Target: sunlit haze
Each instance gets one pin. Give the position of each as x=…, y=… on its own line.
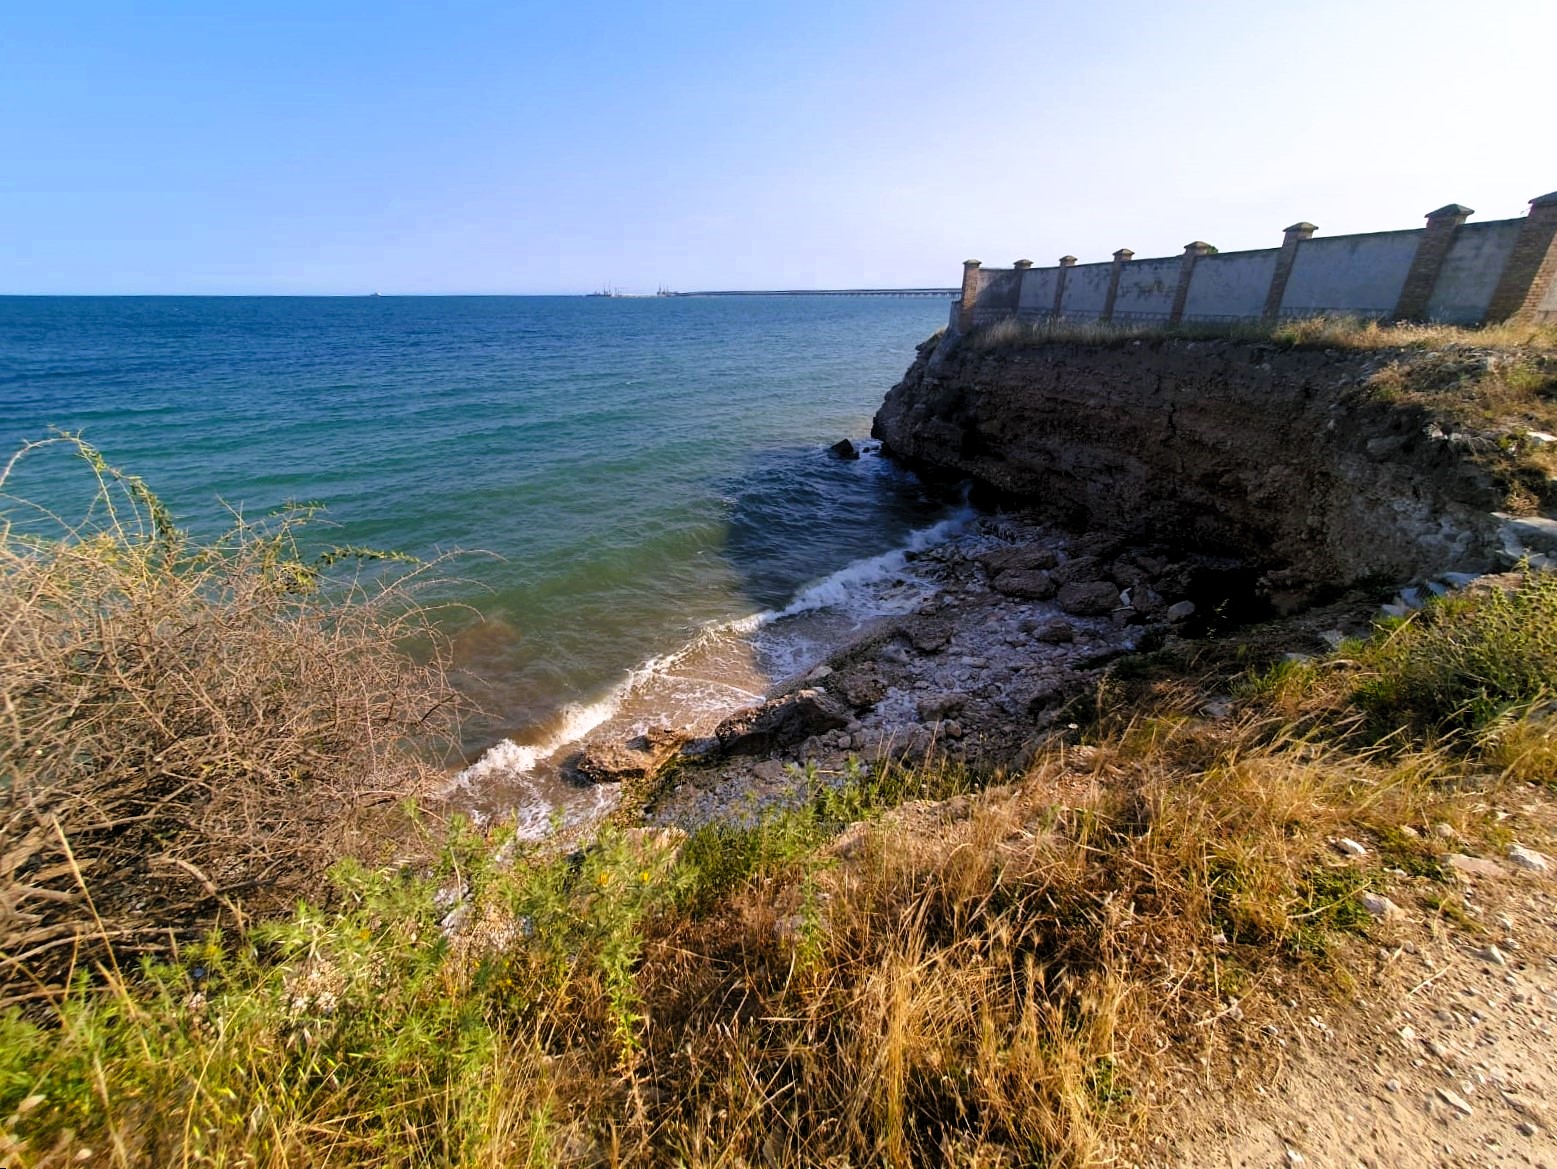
x=486, y=147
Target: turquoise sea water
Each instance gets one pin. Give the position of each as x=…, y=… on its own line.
x=635, y=473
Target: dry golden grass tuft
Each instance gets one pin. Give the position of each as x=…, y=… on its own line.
x=1321, y=332
x=189, y=728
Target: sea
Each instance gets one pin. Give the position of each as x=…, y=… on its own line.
x=640, y=519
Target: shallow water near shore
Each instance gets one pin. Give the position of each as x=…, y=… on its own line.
x=647, y=481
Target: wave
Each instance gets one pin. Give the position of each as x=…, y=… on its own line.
x=847, y=590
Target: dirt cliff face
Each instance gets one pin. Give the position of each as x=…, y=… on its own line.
x=1283, y=457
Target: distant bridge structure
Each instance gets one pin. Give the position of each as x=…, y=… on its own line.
x=949, y=293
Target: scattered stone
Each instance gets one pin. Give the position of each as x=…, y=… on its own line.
x=1475, y=866
x=1528, y=858
x=1294, y=1157
x=930, y=637
x=769, y=770
x=1455, y=1101
x=1181, y=610
x=1218, y=709
x=862, y=691
x=1407, y=1034
x=1350, y=847
x=1380, y=906
x=1525, y=1129
x=934, y=707
x=819, y=673
x=1392, y=1085
x=1026, y=583
x=1493, y=955
x=952, y=729
x=1080, y=570
x=636, y=759
x=1056, y=632
x=783, y=722
x=1095, y=598
x=1332, y=637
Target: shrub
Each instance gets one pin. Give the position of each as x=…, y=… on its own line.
x=190, y=728
x=1465, y=661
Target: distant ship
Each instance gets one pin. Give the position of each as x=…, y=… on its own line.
x=606, y=291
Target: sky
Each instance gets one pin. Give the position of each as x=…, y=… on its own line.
x=476, y=146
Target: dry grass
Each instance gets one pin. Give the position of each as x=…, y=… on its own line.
x=1323, y=332
x=189, y=728
x=911, y=969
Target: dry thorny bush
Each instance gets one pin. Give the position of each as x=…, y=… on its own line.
x=189, y=727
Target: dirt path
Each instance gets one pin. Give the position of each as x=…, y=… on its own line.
x=1447, y=1056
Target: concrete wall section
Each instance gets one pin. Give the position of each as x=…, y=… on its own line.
x=997, y=288
x=1357, y=274
x=1470, y=271
x=1038, y=291
x=1146, y=289
x=1230, y=286
x=1086, y=290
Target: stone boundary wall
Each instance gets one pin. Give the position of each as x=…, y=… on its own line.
x=1449, y=271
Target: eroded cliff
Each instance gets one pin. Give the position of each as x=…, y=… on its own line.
x=1307, y=462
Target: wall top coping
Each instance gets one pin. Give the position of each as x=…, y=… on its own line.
x=1199, y=246
x=1544, y=200
x=1067, y=260
x=1220, y=255
x=1124, y=253
x=1450, y=211
x=1302, y=225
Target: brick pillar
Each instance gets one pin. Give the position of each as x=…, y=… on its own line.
x=1192, y=252
x=970, y=295
x=1430, y=251
x=1066, y=264
x=1121, y=258
x=1020, y=267
x=1296, y=234
x=1531, y=267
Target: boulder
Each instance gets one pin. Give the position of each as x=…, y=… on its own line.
x=635, y=759
x=1093, y=598
x=845, y=449
x=1056, y=632
x=1029, y=557
x=1078, y=569
x=783, y=722
x=934, y=707
x=862, y=689
x=1033, y=584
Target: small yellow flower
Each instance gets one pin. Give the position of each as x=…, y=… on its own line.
x=604, y=879
x=644, y=876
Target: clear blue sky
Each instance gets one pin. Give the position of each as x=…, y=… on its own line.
x=481, y=146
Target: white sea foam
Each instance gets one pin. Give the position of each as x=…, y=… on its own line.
x=848, y=590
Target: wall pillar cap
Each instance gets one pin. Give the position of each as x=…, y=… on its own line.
x=1022, y=264
x=1304, y=226
x=1450, y=211
x=1199, y=247
x=1067, y=261
x=972, y=263
x=1545, y=200
x=1123, y=254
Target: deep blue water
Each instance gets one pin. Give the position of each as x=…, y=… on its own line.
x=633, y=470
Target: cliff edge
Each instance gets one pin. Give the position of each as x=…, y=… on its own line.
x=1323, y=466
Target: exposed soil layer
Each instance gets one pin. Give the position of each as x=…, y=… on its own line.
x=1290, y=458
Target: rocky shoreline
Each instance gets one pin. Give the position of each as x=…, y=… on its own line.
x=1022, y=621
